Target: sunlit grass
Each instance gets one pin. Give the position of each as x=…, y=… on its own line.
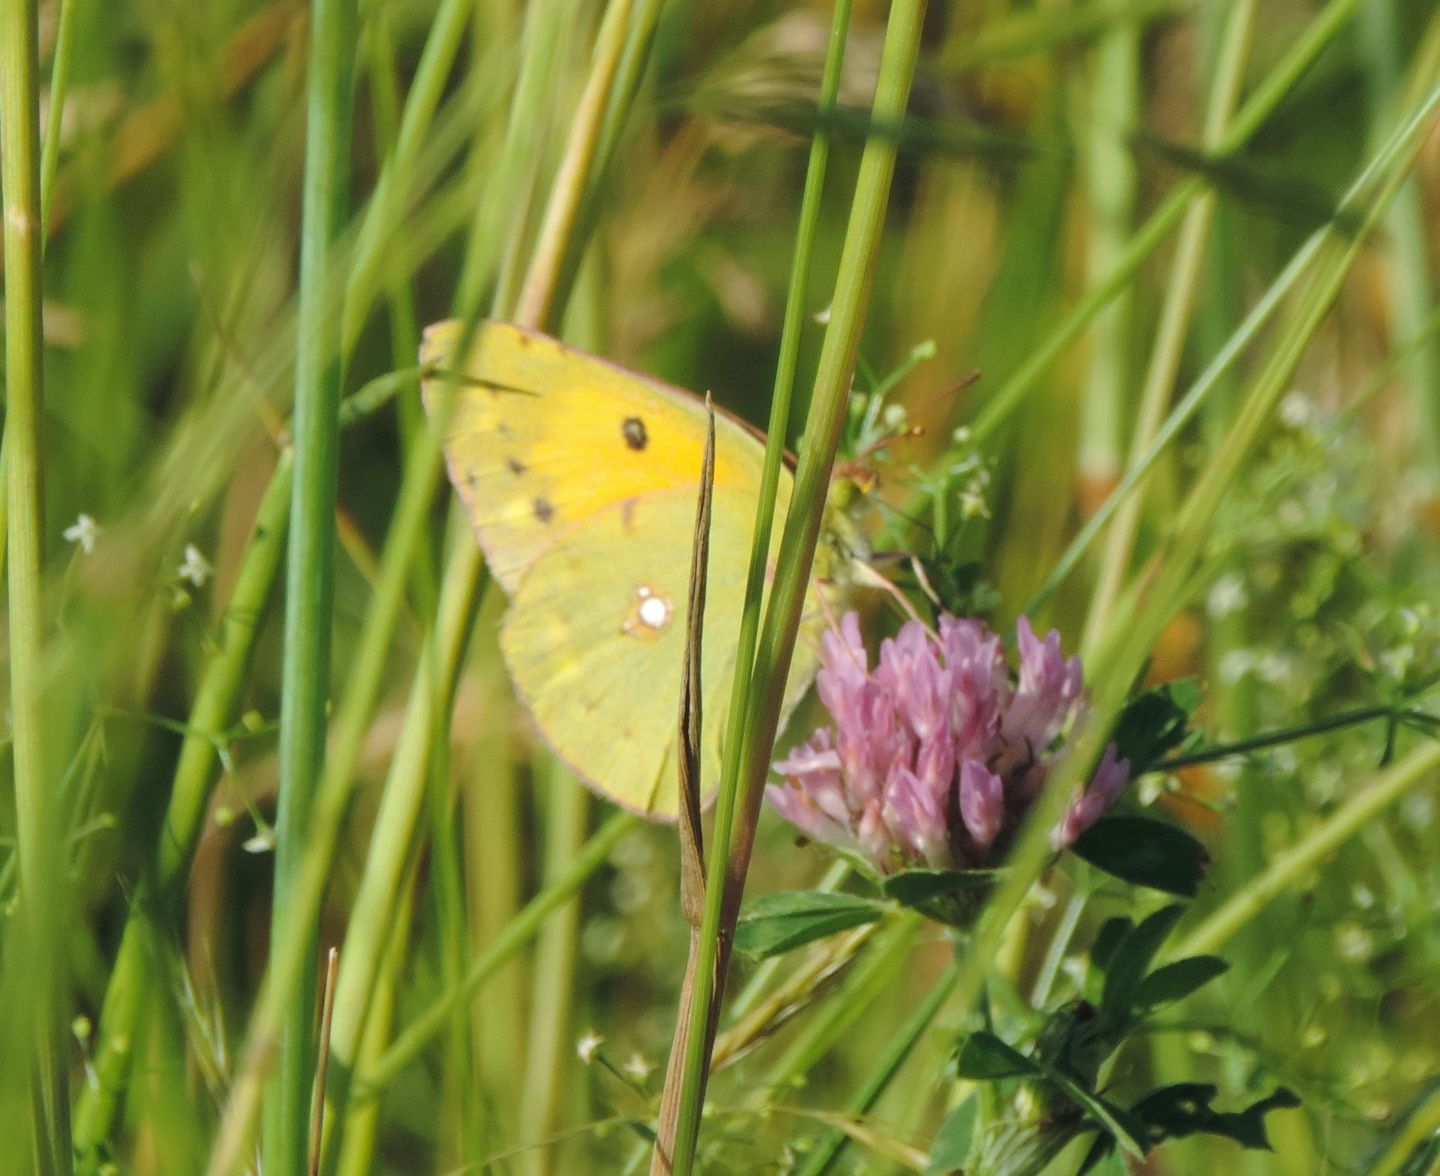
x=1189, y=249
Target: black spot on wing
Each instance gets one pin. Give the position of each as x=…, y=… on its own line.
x=633, y=430
x=544, y=511
x=516, y=466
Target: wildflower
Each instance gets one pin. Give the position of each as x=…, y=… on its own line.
x=1227, y=595
x=261, y=841
x=82, y=532
x=589, y=1045
x=639, y=1067
x=934, y=756
x=196, y=567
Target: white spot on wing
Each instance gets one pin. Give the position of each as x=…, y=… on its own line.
x=649, y=614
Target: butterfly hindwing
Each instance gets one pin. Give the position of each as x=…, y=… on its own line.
x=581, y=479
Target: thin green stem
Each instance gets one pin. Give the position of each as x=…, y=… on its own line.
x=552, y=996
x=1210, y=755
x=518, y=932
x=740, y=791
x=830, y=1150
x=392, y=843
x=779, y=427
x=1174, y=318
x=38, y=945
x=1262, y=103
x=55, y=113
x=1288, y=868
x=310, y=571
x=872, y=977
x=211, y=714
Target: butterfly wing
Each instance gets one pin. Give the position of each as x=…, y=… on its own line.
x=595, y=639
x=580, y=479
x=540, y=437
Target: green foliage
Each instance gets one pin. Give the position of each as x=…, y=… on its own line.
x=1146, y=852
x=1061, y=1073
x=777, y=923
x=1119, y=214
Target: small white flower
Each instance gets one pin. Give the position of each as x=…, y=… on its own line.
x=972, y=497
x=1227, y=595
x=196, y=568
x=589, y=1045
x=83, y=531
x=895, y=416
x=262, y=841
x=1397, y=661
x=1235, y=665
x=639, y=1066
x=1297, y=410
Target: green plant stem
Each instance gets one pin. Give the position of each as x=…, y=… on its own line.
x=310, y=570
x=1109, y=176
x=1175, y=315
x=1287, y=870
x=741, y=792
x=458, y=1130
x=1167, y=584
x=824, y=1156
x=392, y=842
x=1421, y=1123
x=1409, y=276
x=1208, y=755
x=555, y=980
x=779, y=427
x=518, y=932
x=55, y=115
x=1262, y=103
x=447, y=30
x=873, y=976
x=41, y=845
x=211, y=715
x=562, y=211
x=357, y=1157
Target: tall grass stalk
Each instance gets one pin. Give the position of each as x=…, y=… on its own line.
x=310, y=564
x=834, y=1144
x=1175, y=313
x=737, y=807
x=435, y=681
x=552, y=1005
x=518, y=932
x=1287, y=72
x=807, y=225
x=392, y=845
x=35, y=958
x=1287, y=870
x=213, y=713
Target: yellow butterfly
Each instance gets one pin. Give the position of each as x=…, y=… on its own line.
x=581, y=479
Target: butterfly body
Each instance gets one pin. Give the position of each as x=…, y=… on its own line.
x=580, y=479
